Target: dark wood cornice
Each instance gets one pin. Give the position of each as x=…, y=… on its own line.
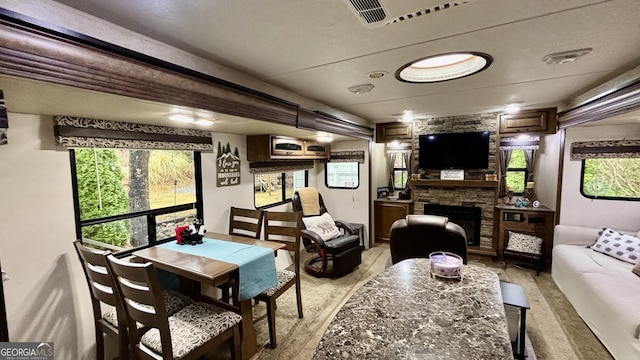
x=32, y=54
x=58, y=32
x=39, y=51
x=619, y=102
x=328, y=123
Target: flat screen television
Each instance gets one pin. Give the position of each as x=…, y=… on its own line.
x=469, y=150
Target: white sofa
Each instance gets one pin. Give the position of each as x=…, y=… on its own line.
x=602, y=289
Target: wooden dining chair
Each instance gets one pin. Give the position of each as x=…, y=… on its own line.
x=102, y=289
x=190, y=333
x=245, y=222
x=114, y=323
x=242, y=222
x=285, y=228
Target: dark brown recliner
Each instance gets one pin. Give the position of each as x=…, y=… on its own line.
x=417, y=236
x=336, y=257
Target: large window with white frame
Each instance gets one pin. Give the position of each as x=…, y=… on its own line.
x=342, y=175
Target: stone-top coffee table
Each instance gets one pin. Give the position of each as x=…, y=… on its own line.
x=405, y=313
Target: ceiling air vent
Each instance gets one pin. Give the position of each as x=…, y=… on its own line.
x=427, y=11
x=377, y=13
x=370, y=11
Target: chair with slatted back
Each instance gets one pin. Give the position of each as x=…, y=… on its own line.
x=245, y=222
x=285, y=228
x=101, y=287
x=190, y=333
x=103, y=290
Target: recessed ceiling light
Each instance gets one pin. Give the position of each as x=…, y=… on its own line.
x=324, y=137
x=181, y=118
x=444, y=67
x=203, y=122
x=513, y=108
x=361, y=89
x=407, y=116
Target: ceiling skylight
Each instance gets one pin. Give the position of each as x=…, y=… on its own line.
x=444, y=67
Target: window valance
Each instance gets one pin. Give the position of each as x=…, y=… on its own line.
x=347, y=156
x=279, y=166
x=516, y=143
x=77, y=132
x=399, y=148
x=607, y=149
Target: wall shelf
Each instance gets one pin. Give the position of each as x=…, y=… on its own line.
x=455, y=183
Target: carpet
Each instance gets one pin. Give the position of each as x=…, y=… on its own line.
x=554, y=329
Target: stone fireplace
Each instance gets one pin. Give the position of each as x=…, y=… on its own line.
x=468, y=217
x=461, y=193
x=472, y=192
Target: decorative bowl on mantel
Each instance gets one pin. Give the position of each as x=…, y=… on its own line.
x=446, y=265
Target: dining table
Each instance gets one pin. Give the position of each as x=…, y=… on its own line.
x=405, y=312
x=222, y=259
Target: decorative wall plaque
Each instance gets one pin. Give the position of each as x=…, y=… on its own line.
x=227, y=166
x=451, y=174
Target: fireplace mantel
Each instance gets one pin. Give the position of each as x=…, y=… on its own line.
x=455, y=183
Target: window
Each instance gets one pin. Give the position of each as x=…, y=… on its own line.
x=400, y=173
x=127, y=199
x=342, y=175
x=612, y=179
x=517, y=172
x=271, y=189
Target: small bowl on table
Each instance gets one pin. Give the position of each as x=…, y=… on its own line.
x=446, y=265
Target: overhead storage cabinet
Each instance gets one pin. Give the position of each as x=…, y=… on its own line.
x=272, y=147
x=540, y=121
x=395, y=131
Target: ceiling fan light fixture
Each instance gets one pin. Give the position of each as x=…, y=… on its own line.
x=361, y=89
x=444, y=67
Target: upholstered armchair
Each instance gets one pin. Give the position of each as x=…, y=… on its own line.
x=335, y=241
x=417, y=236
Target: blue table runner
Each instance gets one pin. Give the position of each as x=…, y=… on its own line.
x=257, y=264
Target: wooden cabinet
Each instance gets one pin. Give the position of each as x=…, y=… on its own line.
x=286, y=146
x=272, y=147
x=400, y=131
x=385, y=212
x=528, y=220
x=541, y=121
x=316, y=149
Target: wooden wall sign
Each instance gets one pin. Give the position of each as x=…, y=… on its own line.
x=227, y=166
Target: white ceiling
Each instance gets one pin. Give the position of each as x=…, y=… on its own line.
x=320, y=48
